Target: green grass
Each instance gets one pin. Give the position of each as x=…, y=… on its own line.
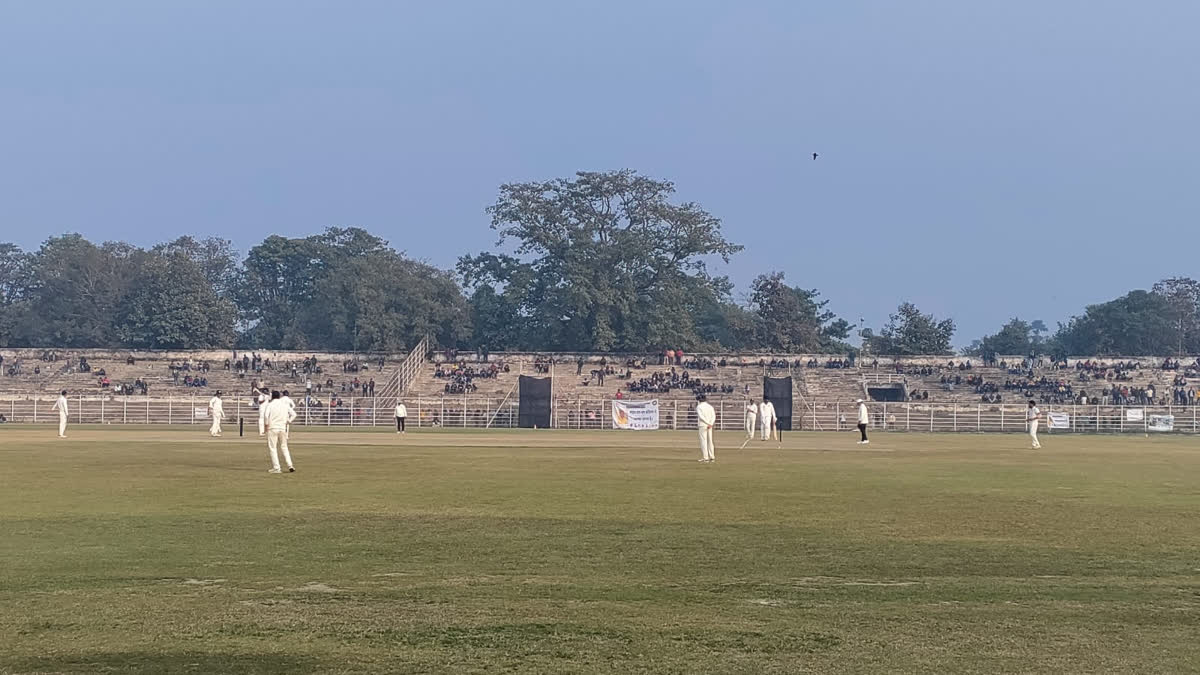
x=163, y=551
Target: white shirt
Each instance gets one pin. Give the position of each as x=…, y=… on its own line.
x=290, y=402
x=263, y=400
x=61, y=406
x=751, y=410
x=863, y=416
x=1033, y=413
x=278, y=415
x=705, y=414
x=767, y=410
x=401, y=411
x=216, y=406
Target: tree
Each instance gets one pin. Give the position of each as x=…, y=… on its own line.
x=345, y=289
x=74, y=289
x=602, y=261
x=793, y=319
x=1014, y=338
x=1136, y=324
x=216, y=257
x=171, y=304
x=279, y=282
x=382, y=301
x=1183, y=301
x=14, y=272
x=909, y=332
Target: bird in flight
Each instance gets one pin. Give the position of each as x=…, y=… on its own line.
x=814, y=156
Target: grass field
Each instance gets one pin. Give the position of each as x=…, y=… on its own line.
x=161, y=551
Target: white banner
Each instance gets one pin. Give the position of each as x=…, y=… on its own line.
x=200, y=412
x=1059, y=420
x=1161, y=423
x=636, y=415
x=1135, y=414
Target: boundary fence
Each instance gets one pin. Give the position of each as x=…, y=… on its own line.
x=482, y=412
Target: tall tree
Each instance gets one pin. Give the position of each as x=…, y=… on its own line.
x=1183, y=302
x=279, y=282
x=909, y=332
x=1138, y=323
x=74, y=289
x=216, y=257
x=1014, y=338
x=171, y=304
x=601, y=261
x=345, y=289
x=793, y=319
x=382, y=301
x=14, y=272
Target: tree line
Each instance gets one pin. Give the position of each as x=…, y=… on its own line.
x=596, y=262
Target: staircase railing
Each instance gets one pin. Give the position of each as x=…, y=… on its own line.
x=405, y=373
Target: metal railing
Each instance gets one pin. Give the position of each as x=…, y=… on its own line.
x=406, y=372
x=575, y=413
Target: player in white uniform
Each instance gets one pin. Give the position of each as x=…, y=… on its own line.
x=751, y=417
x=401, y=416
x=61, y=406
x=216, y=410
x=277, y=416
x=706, y=418
x=291, y=405
x=1032, y=416
x=263, y=400
x=766, y=420
x=864, y=418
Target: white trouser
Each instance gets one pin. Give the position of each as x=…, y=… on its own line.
x=62, y=424
x=708, y=449
x=766, y=429
x=276, y=441
x=262, y=421
x=215, y=429
x=1033, y=425
x=750, y=424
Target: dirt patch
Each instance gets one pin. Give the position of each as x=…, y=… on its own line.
x=265, y=603
x=769, y=602
x=202, y=582
x=317, y=587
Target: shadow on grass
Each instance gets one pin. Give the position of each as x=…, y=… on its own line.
x=164, y=662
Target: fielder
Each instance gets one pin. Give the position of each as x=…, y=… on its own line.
x=1032, y=416
x=277, y=416
x=61, y=406
x=766, y=419
x=291, y=406
x=751, y=417
x=216, y=409
x=263, y=401
x=706, y=418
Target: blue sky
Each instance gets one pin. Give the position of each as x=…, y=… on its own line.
x=981, y=159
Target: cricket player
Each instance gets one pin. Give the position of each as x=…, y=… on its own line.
x=1032, y=416
x=61, y=406
x=291, y=405
x=706, y=418
x=766, y=419
x=263, y=401
x=864, y=418
x=277, y=415
x=216, y=409
x=401, y=416
x=751, y=417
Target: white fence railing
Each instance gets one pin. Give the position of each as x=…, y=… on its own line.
x=469, y=411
